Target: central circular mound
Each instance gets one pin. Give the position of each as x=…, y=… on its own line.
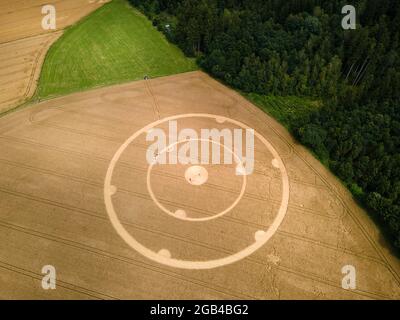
x=196, y=175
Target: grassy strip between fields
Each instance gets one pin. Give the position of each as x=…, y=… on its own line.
x=114, y=44
x=287, y=110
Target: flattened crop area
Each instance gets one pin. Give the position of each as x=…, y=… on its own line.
x=54, y=161
x=23, y=43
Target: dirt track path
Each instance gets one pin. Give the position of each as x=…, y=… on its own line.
x=54, y=160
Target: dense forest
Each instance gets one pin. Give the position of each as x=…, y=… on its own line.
x=299, y=48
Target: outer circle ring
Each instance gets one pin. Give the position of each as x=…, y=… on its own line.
x=184, y=264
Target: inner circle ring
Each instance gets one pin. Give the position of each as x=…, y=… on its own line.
x=215, y=216
x=186, y=264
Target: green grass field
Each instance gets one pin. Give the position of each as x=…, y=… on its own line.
x=287, y=110
x=114, y=44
